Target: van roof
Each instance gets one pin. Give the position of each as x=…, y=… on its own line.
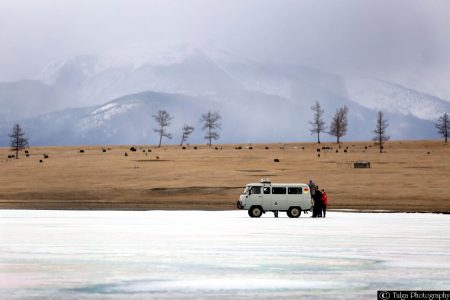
x=276, y=184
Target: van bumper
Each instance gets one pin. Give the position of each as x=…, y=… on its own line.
x=239, y=205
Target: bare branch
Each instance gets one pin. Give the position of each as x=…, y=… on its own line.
x=443, y=126
x=338, y=127
x=210, y=122
x=380, y=130
x=318, y=124
x=18, y=141
x=162, y=118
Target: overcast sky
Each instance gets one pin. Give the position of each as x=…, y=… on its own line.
x=353, y=37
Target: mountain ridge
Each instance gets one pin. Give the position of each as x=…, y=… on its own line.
x=265, y=101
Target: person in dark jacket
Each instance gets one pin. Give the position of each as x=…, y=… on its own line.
x=317, y=210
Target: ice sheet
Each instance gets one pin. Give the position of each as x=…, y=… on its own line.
x=216, y=254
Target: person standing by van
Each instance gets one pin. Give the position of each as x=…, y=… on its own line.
x=324, y=202
x=312, y=188
x=317, y=210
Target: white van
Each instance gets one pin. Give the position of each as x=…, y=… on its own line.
x=258, y=198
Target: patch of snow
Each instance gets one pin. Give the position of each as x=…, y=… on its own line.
x=105, y=113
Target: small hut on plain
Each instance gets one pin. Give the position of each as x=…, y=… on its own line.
x=361, y=164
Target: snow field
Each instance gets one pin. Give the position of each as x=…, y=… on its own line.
x=219, y=254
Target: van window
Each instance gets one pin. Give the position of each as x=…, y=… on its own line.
x=295, y=190
x=278, y=190
x=266, y=190
x=255, y=190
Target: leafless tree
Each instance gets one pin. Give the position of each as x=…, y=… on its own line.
x=380, y=131
x=318, y=124
x=443, y=126
x=187, y=130
x=210, y=122
x=338, y=127
x=162, y=118
x=18, y=140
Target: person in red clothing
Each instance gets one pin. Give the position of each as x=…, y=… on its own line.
x=324, y=203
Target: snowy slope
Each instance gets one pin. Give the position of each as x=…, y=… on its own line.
x=388, y=97
x=168, y=68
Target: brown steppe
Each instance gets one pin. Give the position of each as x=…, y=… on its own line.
x=410, y=176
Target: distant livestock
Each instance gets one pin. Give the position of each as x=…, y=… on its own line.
x=276, y=160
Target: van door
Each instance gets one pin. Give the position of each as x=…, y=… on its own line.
x=278, y=197
x=295, y=197
x=256, y=195
x=269, y=203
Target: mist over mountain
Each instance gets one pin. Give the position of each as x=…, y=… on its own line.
x=29, y=98
x=110, y=98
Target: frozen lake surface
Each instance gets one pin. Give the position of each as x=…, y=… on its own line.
x=219, y=254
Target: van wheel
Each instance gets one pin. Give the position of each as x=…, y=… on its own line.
x=294, y=212
x=255, y=212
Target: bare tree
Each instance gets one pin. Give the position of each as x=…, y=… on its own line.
x=318, y=124
x=18, y=140
x=380, y=130
x=162, y=118
x=187, y=130
x=338, y=127
x=443, y=126
x=210, y=122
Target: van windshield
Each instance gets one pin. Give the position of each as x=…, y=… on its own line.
x=246, y=190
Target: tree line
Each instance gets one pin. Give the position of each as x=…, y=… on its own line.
x=211, y=126
x=339, y=123
x=210, y=122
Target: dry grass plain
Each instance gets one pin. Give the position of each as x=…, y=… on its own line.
x=411, y=176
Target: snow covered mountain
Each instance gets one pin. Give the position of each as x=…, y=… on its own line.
x=385, y=96
x=175, y=68
x=117, y=92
